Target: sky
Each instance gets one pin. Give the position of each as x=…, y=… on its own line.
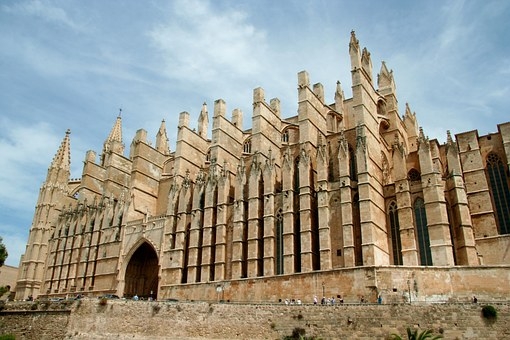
x=71, y=64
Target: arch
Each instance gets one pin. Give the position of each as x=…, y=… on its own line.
x=208, y=156
x=381, y=107
x=141, y=271
x=420, y=219
x=414, y=175
x=288, y=137
x=396, y=243
x=247, y=145
x=498, y=180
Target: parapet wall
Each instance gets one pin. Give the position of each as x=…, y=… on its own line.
x=395, y=284
x=126, y=319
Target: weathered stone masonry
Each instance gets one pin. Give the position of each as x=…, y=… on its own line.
x=338, y=187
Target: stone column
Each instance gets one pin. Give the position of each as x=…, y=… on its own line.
x=197, y=213
x=435, y=207
x=239, y=232
x=254, y=220
x=305, y=206
x=221, y=225
x=269, y=218
x=210, y=207
x=323, y=207
x=346, y=202
x=404, y=206
x=464, y=236
x=289, y=256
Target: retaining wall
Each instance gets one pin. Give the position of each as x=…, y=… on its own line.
x=126, y=319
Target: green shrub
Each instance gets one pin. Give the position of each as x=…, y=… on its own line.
x=489, y=312
x=414, y=335
x=7, y=337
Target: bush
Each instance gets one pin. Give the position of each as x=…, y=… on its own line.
x=7, y=337
x=489, y=312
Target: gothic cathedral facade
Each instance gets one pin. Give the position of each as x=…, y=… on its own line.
x=319, y=200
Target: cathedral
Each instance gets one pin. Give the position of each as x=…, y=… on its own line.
x=349, y=198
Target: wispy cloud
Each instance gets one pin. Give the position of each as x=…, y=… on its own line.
x=26, y=152
x=201, y=43
x=45, y=11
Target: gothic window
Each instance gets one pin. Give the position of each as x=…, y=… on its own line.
x=353, y=168
x=498, y=180
x=285, y=136
x=414, y=175
x=247, y=146
x=208, y=156
x=296, y=174
x=396, y=244
x=279, y=242
x=381, y=107
x=420, y=218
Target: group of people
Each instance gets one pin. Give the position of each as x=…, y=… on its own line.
x=328, y=301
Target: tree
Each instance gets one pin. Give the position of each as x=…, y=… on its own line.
x=3, y=252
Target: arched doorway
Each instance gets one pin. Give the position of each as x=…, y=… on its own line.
x=142, y=273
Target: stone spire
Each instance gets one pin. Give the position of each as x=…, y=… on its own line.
x=114, y=141
x=116, y=132
x=385, y=78
x=62, y=159
x=162, y=139
x=354, y=52
x=366, y=63
x=203, y=122
x=53, y=196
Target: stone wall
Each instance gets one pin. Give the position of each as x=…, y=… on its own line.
x=125, y=319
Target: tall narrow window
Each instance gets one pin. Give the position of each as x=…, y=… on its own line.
x=247, y=146
x=279, y=242
x=396, y=244
x=285, y=136
x=500, y=193
x=423, y=232
x=353, y=168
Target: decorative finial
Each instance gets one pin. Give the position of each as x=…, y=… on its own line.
x=120, y=112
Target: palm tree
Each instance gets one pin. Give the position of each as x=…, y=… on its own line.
x=424, y=335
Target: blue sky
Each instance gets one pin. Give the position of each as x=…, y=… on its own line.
x=73, y=64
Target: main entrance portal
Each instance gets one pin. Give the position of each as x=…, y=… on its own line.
x=142, y=273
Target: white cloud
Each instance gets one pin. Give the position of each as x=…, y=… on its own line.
x=15, y=242
x=26, y=152
x=199, y=43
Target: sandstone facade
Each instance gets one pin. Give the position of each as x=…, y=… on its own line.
x=341, y=192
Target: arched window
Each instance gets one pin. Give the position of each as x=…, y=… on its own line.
x=420, y=218
x=247, y=146
x=381, y=107
x=279, y=242
x=498, y=180
x=414, y=175
x=396, y=244
x=285, y=136
x=208, y=156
